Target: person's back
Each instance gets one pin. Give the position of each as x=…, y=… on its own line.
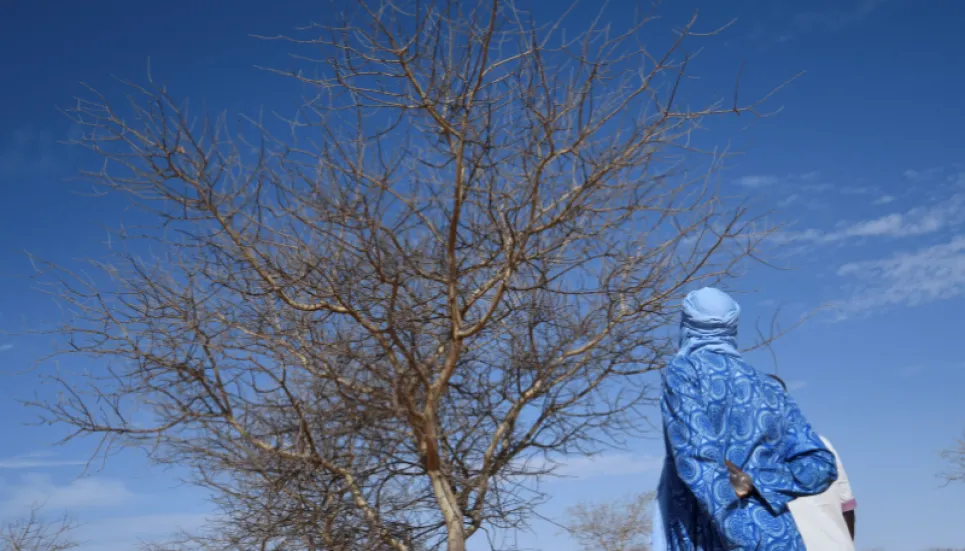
x=716, y=408
x=821, y=518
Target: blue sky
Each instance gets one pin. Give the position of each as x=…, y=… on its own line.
x=865, y=165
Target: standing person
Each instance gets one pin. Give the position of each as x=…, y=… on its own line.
x=738, y=448
x=826, y=521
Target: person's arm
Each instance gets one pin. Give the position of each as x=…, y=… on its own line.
x=808, y=466
x=698, y=454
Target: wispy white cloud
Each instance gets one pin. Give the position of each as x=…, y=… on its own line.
x=796, y=384
x=789, y=200
x=764, y=38
x=918, y=221
x=5, y=347
x=757, y=181
x=39, y=489
x=857, y=190
x=932, y=273
x=885, y=199
x=28, y=153
x=845, y=13
x=613, y=464
x=922, y=175
x=818, y=187
x=957, y=179
x=38, y=460
x=936, y=179
x=80, y=498
x=805, y=188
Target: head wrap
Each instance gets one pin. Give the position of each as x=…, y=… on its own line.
x=709, y=322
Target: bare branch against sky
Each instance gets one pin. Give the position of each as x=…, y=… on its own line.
x=373, y=325
x=34, y=533
x=621, y=526
x=955, y=461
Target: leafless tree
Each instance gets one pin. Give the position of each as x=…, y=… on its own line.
x=36, y=534
x=955, y=459
x=375, y=324
x=619, y=526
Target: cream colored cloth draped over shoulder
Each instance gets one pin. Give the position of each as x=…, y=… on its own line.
x=820, y=518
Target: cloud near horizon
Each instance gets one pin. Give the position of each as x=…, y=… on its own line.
x=36, y=489
x=612, y=464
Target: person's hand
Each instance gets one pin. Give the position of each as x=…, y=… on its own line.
x=741, y=481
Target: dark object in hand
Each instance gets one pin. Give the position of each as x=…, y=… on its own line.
x=741, y=481
x=849, y=520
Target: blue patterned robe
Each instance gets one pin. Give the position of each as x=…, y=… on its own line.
x=716, y=407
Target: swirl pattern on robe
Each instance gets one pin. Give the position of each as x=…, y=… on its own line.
x=716, y=407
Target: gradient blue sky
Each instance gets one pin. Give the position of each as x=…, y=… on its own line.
x=866, y=165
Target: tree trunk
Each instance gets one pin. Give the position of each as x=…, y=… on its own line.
x=448, y=504
x=456, y=540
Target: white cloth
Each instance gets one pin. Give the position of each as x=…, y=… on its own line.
x=820, y=518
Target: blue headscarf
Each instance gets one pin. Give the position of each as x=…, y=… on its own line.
x=709, y=322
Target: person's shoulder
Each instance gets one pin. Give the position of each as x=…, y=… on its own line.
x=680, y=367
x=680, y=363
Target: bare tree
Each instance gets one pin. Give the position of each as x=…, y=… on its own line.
x=619, y=526
x=36, y=534
x=375, y=324
x=955, y=459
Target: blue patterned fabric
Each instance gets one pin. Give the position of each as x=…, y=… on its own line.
x=716, y=407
